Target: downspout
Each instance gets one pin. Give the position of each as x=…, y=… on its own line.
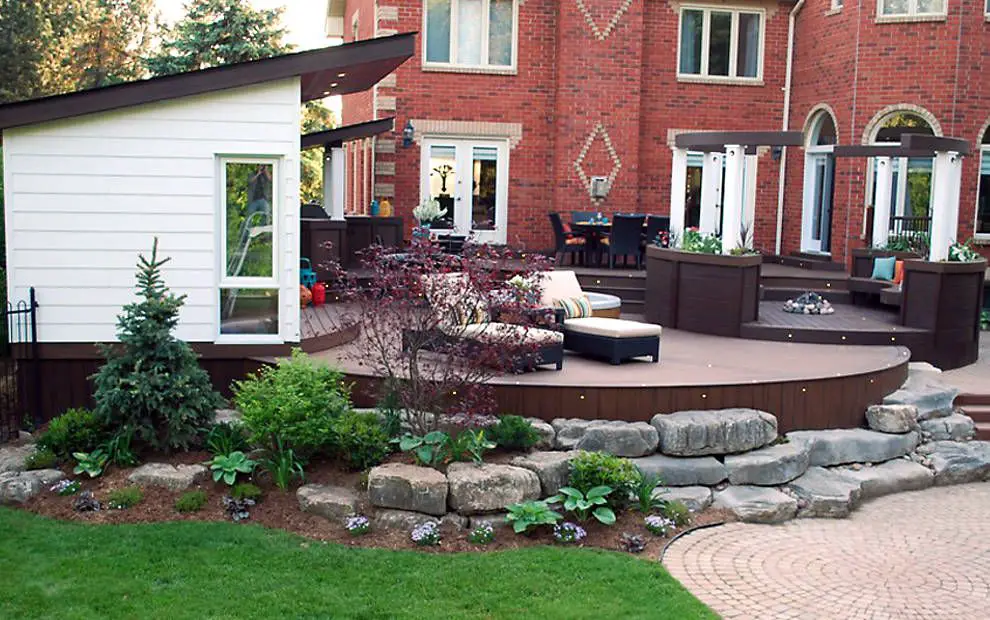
x=786, y=121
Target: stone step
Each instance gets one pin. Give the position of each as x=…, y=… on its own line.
x=769, y=466
x=825, y=493
x=329, y=502
x=855, y=445
x=682, y=471
x=629, y=439
x=926, y=391
x=958, y=462
x=753, y=504
x=714, y=432
x=695, y=498
x=956, y=427
x=894, y=476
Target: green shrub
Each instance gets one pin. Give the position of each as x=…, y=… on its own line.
x=122, y=499
x=41, y=458
x=360, y=439
x=513, y=432
x=227, y=437
x=296, y=401
x=191, y=501
x=118, y=448
x=471, y=446
x=76, y=430
x=594, y=469
x=677, y=512
x=246, y=490
x=152, y=382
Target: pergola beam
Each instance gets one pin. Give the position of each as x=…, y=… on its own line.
x=718, y=140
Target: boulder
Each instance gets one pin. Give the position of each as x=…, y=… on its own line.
x=547, y=434
x=695, y=498
x=227, y=416
x=769, y=466
x=402, y=520
x=20, y=486
x=12, y=457
x=927, y=392
x=891, y=477
x=489, y=487
x=454, y=521
x=854, y=445
x=330, y=502
x=892, y=418
x=682, y=472
x=955, y=463
x=756, y=504
x=826, y=493
x=620, y=438
x=569, y=431
x=171, y=477
x=955, y=427
x=552, y=468
x=497, y=521
x=408, y=487
x=721, y=431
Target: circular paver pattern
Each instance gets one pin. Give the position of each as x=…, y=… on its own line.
x=920, y=555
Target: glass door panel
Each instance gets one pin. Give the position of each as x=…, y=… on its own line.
x=484, y=187
x=442, y=170
x=470, y=180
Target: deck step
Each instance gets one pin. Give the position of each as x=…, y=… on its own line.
x=631, y=279
x=979, y=413
x=983, y=431
x=838, y=283
x=625, y=293
x=808, y=261
x=969, y=398
x=776, y=293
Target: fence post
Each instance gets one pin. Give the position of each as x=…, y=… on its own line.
x=35, y=369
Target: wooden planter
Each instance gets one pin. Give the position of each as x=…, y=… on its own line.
x=705, y=293
x=862, y=265
x=945, y=298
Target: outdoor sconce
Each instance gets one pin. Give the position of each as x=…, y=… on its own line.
x=775, y=153
x=407, y=135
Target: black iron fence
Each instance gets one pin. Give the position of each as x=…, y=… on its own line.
x=19, y=381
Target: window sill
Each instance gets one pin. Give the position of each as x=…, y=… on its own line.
x=833, y=11
x=908, y=19
x=249, y=339
x=469, y=69
x=720, y=81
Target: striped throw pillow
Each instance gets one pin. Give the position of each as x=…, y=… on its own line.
x=575, y=307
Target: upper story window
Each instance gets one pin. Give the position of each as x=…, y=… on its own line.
x=910, y=8
x=721, y=43
x=470, y=33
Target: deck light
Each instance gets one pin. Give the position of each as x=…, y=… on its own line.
x=334, y=84
x=407, y=134
x=340, y=75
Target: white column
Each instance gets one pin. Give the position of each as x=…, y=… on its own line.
x=732, y=201
x=947, y=178
x=882, y=181
x=711, y=192
x=678, y=193
x=333, y=182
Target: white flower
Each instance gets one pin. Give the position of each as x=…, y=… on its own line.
x=429, y=210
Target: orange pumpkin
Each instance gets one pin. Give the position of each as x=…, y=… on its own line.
x=305, y=296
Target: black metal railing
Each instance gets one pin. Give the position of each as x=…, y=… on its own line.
x=20, y=385
x=910, y=225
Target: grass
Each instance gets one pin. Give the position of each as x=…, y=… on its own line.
x=215, y=570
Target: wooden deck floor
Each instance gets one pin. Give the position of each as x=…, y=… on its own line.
x=321, y=328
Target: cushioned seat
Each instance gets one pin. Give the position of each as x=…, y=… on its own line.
x=504, y=332
x=604, y=301
x=613, y=339
x=612, y=328
x=563, y=284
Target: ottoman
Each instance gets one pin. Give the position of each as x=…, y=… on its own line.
x=613, y=339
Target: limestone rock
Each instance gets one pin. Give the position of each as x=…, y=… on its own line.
x=695, y=498
x=893, y=476
x=892, y=418
x=552, y=468
x=620, y=438
x=547, y=434
x=171, y=477
x=489, y=487
x=408, y=487
x=569, y=431
x=454, y=520
x=227, y=416
x=828, y=493
x=769, y=466
x=854, y=445
x=402, y=519
x=497, y=521
x=756, y=504
x=927, y=392
x=955, y=427
x=12, y=457
x=330, y=502
x=721, y=431
x=20, y=486
x=955, y=463
x=682, y=472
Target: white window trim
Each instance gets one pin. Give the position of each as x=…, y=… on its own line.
x=733, y=43
x=984, y=154
x=912, y=13
x=223, y=281
x=453, y=65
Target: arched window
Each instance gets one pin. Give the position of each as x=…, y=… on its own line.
x=911, y=191
x=819, y=177
x=983, y=193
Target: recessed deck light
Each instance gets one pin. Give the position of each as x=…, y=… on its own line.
x=333, y=84
x=340, y=75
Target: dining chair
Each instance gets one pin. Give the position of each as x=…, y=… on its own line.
x=566, y=242
x=625, y=239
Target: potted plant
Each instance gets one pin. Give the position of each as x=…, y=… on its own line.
x=426, y=213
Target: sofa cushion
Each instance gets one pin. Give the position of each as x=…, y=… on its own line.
x=898, y=272
x=612, y=328
x=506, y=333
x=883, y=268
x=575, y=307
x=558, y=285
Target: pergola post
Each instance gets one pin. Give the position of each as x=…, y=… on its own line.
x=947, y=176
x=732, y=201
x=711, y=192
x=678, y=194
x=333, y=181
x=883, y=182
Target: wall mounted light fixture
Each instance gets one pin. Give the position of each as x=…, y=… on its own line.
x=407, y=135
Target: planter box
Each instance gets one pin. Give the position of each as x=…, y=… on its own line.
x=945, y=298
x=862, y=261
x=705, y=293
x=364, y=231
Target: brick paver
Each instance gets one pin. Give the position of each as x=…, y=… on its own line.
x=920, y=555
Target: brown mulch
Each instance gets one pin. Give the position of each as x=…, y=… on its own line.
x=280, y=509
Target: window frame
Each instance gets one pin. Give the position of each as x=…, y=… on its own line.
x=912, y=12
x=703, y=75
x=485, y=67
x=225, y=282
x=984, y=150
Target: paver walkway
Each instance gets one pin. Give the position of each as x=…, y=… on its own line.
x=921, y=555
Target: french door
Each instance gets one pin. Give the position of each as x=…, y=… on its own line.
x=819, y=176
x=470, y=179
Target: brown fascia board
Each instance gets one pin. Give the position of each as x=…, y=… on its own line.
x=878, y=150
x=921, y=142
x=364, y=62
x=347, y=133
x=703, y=140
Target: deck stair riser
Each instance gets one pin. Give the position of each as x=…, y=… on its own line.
x=812, y=284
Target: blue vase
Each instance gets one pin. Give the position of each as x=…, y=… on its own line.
x=374, y=210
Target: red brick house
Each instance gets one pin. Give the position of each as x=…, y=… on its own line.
x=514, y=108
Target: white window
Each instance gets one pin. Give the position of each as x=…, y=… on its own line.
x=249, y=270
x=902, y=8
x=837, y=4
x=470, y=33
x=721, y=43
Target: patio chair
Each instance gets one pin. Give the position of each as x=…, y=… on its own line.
x=566, y=241
x=655, y=224
x=625, y=239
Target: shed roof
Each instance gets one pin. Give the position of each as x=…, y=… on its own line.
x=337, y=70
x=347, y=133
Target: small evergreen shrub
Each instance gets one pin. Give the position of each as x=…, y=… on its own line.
x=152, y=382
x=122, y=499
x=41, y=458
x=513, y=432
x=76, y=430
x=361, y=439
x=296, y=401
x=246, y=490
x=191, y=501
x=594, y=469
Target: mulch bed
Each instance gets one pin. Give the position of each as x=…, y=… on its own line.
x=280, y=509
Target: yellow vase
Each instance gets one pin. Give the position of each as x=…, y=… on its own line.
x=385, y=209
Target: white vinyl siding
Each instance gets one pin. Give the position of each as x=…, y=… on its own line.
x=85, y=195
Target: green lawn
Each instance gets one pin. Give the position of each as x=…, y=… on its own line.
x=59, y=570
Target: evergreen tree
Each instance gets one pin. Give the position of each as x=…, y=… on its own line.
x=112, y=41
x=315, y=117
x=218, y=32
x=152, y=381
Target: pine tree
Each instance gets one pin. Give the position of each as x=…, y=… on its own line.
x=152, y=381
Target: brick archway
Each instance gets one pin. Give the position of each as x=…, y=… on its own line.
x=873, y=127
x=812, y=117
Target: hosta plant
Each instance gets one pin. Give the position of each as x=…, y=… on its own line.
x=582, y=505
x=226, y=466
x=430, y=449
x=526, y=515
x=471, y=445
x=91, y=464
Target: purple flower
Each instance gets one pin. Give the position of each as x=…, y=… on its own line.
x=568, y=533
x=427, y=534
x=357, y=525
x=660, y=526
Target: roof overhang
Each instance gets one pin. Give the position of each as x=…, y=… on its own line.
x=338, y=70
x=718, y=140
x=336, y=137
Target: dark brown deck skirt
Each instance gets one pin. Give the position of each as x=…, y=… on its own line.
x=705, y=293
